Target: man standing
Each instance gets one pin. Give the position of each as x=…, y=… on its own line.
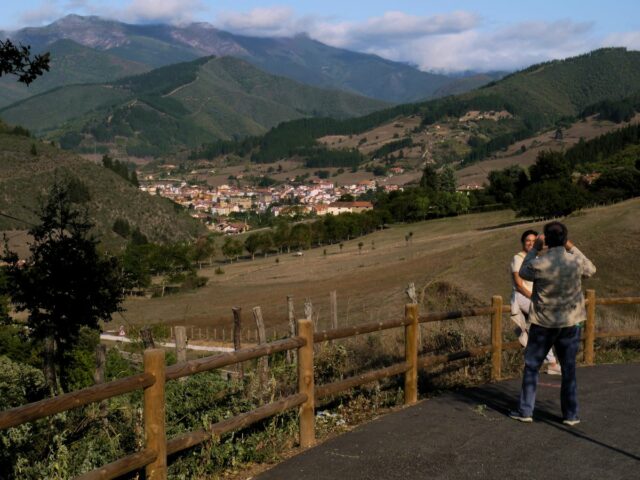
x=557, y=308
x=521, y=295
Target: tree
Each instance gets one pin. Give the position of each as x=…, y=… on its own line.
x=203, y=249
x=252, y=244
x=281, y=236
x=231, y=248
x=121, y=227
x=66, y=284
x=550, y=165
x=265, y=242
x=551, y=198
x=16, y=60
x=505, y=185
x=301, y=236
x=558, y=135
x=360, y=245
x=447, y=180
x=429, y=181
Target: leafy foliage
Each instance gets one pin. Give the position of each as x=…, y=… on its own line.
x=66, y=284
x=126, y=171
x=16, y=60
x=550, y=189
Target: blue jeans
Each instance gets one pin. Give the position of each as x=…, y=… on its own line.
x=566, y=342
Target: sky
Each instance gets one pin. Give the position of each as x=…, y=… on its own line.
x=434, y=35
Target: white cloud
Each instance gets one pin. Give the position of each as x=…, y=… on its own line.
x=44, y=13
x=273, y=21
x=623, y=39
x=168, y=11
x=392, y=26
x=506, y=49
x=449, y=42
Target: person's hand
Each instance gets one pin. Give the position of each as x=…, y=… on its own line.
x=569, y=245
x=539, y=244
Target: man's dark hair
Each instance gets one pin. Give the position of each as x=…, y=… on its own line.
x=555, y=234
x=526, y=234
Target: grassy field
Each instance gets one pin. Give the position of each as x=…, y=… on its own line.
x=453, y=262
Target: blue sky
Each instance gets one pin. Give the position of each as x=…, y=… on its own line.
x=432, y=34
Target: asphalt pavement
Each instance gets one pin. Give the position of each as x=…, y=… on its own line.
x=468, y=435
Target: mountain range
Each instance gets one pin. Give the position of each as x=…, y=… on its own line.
x=114, y=49
x=179, y=105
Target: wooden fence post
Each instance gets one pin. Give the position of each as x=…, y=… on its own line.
x=496, y=338
x=154, y=414
x=98, y=376
x=411, y=354
x=333, y=297
x=181, y=343
x=237, y=334
x=306, y=383
x=263, y=362
x=291, y=318
x=590, y=328
x=308, y=309
x=237, y=327
x=147, y=338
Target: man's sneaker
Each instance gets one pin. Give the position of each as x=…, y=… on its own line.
x=554, y=369
x=516, y=416
x=571, y=423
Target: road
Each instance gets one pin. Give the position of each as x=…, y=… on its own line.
x=468, y=435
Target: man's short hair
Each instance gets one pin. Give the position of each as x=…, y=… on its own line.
x=555, y=234
x=526, y=234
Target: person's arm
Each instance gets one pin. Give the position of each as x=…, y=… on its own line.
x=527, y=271
x=588, y=268
x=517, y=280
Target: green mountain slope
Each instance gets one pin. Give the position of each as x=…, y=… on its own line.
x=71, y=63
x=537, y=98
x=25, y=178
x=299, y=58
x=565, y=87
x=179, y=106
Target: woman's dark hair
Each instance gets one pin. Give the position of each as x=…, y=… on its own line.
x=555, y=234
x=526, y=234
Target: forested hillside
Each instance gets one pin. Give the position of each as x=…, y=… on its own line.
x=539, y=97
x=71, y=63
x=178, y=106
x=28, y=167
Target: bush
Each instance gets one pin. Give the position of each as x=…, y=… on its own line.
x=551, y=198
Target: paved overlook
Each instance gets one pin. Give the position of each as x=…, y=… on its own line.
x=467, y=435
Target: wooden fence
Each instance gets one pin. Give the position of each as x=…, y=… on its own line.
x=153, y=458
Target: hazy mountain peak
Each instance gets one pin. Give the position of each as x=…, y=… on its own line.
x=298, y=57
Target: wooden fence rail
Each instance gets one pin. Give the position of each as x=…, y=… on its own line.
x=153, y=457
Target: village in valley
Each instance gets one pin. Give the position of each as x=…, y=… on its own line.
x=216, y=206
